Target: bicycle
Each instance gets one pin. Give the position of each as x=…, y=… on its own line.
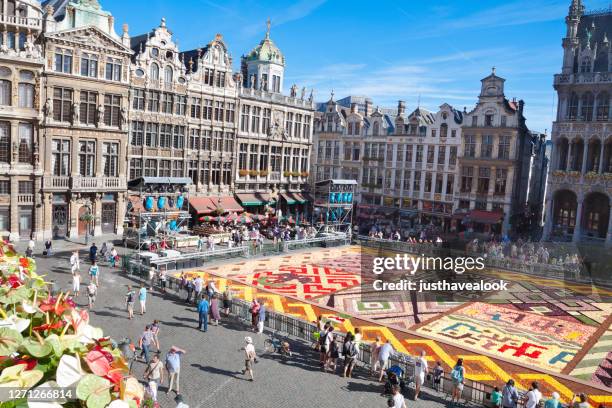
x=276, y=344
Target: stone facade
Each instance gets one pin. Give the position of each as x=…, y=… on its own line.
x=580, y=181
x=83, y=110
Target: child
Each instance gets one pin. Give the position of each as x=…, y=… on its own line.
x=91, y=293
x=438, y=373
x=496, y=397
x=93, y=272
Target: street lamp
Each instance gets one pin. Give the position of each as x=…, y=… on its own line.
x=87, y=218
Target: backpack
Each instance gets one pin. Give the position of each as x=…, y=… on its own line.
x=457, y=374
x=322, y=338
x=353, y=350
x=130, y=297
x=346, y=348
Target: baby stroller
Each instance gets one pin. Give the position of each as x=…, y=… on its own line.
x=395, y=376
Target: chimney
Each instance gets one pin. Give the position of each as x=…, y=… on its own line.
x=125, y=39
x=521, y=104
x=368, y=107
x=353, y=107
x=401, y=108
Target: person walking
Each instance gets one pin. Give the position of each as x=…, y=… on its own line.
x=351, y=351
x=114, y=257
x=458, y=378
x=130, y=296
x=93, y=252
x=48, y=245
x=250, y=357
x=533, y=396
x=214, y=309
x=94, y=271
x=197, y=287
x=155, y=331
x=154, y=375
x=333, y=354
x=145, y=343
x=227, y=300
x=420, y=372
x=554, y=401
x=142, y=299
x=203, y=315
x=189, y=289
x=75, y=264
x=510, y=395
x=383, y=358
x=261, y=317
x=92, y=291
x=76, y=282
x=30, y=249
x=173, y=366
x=375, y=349
x=254, y=314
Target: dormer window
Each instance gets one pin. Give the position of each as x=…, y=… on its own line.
x=169, y=55
x=154, y=72
x=168, y=75
x=488, y=119
x=155, y=52
x=443, y=130
x=376, y=129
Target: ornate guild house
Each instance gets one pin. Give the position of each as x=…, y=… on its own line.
x=579, y=191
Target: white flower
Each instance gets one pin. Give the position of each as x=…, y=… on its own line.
x=15, y=323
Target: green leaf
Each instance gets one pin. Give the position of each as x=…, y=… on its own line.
x=9, y=341
x=92, y=384
x=55, y=344
x=132, y=404
x=16, y=295
x=34, y=348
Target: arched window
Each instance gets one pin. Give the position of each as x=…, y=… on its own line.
x=350, y=128
x=603, y=105
x=376, y=129
x=154, y=72
x=5, y=92
x=585, y=66
x=443, y=130
x=586, y=110
x=168, y=75
x=572, y=107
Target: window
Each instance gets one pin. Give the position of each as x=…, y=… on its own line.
x=110, y=159
x=244, y=118
x=452, y=156
x=137, y=136
x=112, y=110
x=165, y=137
x=427, y=187
x=87, y=108
x=150, y=169
x=484, y=174
x=242, y=156
x=62, y=102
x=376, y=129
x=153, y=101
x=154, y=72
x=164, y=168
x=255, y=119
x=228, y=142
x=138, y=101
x=289, y=124
x=474, y=121
x=219, y=108
x=196, y=107
x=26, y=187
x=441, y=154
x=5, y=92
x=151, y=135
x=500, y=181
x=220, y=79
x=63, y=61
x=178, y=139
x=306, y=127
x=433, y=132
x=488, y=120
x=168, y=75
x=135, y=168
x=177, y=168
x=194, y=139
x=297, y=129
x=207, y=110
x=216, y=173
x=263, y=158
x=60, y=157
x=399, y=154
x=466, y=179
x=167, y=102
x=572, y=107
x=181, y=104
x=504, y=147
x=503, y=121
x=217, y=141
x=113, y=69
x=209, y=76
x=443, y=130
x=275, y=83
x=227, y=174
x=416, y=185
x=5, y=137
x=230, y=112
x=25, y=142
x=586, y=110
x=450, y=183
x=603, y=106
x=26, y=95
x=264, y=81
x=430, y=154
x=409, y=155
x=87, y=158
x=585, y=65
x=439, y=183
x=419, y=154
x=480, y=204
x=89, y=65
x=486, y=147
x=206, y=140
x=453, y=132
x=470, y=146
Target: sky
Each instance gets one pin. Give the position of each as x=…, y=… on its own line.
x=422, y=52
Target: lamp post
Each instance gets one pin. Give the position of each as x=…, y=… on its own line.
x=87, y=218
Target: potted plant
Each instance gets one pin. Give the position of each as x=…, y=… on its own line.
x=305, y=174
x=87, y=218
x=253, y=172
x=243, y=173
x=286, y=173
x=263, y=173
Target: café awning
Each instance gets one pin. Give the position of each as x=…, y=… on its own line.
x=253, y=199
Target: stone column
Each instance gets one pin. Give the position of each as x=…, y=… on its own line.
x=73, y=217
x=97, y=212
x=601, y=157
x=14, y=211
x=578, y=227
x=47, y=215
x=585, y=156
x=569, y=156
x=37, y=224
x=549, y=218
x=120, y=213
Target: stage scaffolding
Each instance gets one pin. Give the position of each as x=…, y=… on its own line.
x=333, y=206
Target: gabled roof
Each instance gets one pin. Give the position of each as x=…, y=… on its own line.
x=194, y=55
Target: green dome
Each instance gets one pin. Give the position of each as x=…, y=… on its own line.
x=266, y=51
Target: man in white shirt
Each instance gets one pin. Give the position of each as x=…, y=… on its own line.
x=197, y=287
x=533, y=396
x=420, y=371
x=249, y=356
x=75, y=265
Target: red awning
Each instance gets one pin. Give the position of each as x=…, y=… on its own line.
x=485, y=217
x=227, y=203
x=202, y=205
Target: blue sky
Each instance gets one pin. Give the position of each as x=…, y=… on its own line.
x=388, y=49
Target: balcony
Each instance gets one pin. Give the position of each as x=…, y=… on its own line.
x=583, y=78
x=82, y=183
x=25, y=199
x=570, y=129
x=590, y=179
x=27, y=22
x=59, y=183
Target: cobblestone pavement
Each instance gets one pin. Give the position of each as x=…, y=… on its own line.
x=210, y=372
